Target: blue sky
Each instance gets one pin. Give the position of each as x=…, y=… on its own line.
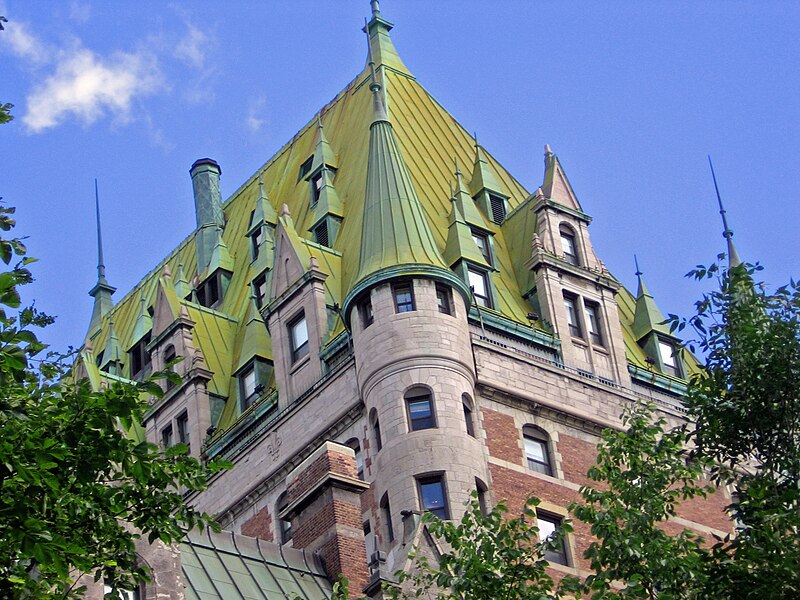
x=631, y=96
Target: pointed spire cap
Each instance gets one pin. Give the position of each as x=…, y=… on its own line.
x=647, y=317
x=482, y=175
x=556, y=186
x=263, y=212
x=112, y=351
x=182, y=287
x=328, y=202
x=465, y=202
x=255, y=341
x=460, y=244
x=102, y=291
x=323, y=153
x=144, y=322
x=220, y=258
x=733, y=256
x=382, y=49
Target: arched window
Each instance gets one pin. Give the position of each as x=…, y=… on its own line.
x=568, y=247
x=285, y=525
x=419, y=405
x=376, y=429
x=386, y=517
x=353, y=443
x=537, y=452
x=469, y=414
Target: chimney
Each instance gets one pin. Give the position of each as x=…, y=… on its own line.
x=208, y=209
x=325, y=510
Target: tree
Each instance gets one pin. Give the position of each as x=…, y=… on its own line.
x=745, y=406
x=75, y=490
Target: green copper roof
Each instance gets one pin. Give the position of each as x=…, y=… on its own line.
x=647, y=317
x=182, y=287
x=482, y=175
x=112, y=351
x=381, y=47
x=263, y=212
x=229, y=566
x=255, y=340
x=466, y=205
x=220, y=258
x=323, y=153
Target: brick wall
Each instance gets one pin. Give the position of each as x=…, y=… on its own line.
x=259, y=526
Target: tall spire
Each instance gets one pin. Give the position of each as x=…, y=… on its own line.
x=102, y=291
x=727, y=233
x=382, y=49
x=378, y=106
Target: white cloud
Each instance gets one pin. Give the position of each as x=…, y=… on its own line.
x=24, y=44
x=79, y=12
x=192, y=47
x=87, y=86
x=256, y=118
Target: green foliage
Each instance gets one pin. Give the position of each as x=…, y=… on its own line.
x=746, y=410
x=74, y=489
x=644, y=472
x=491, y=555
x=5, y=112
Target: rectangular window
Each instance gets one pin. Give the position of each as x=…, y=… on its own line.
x=386, y=514
x=210, y=291
x=365, y=310
x=482, y=241
x=255, y=243
x=444, y=300
x=433, y=497
x=420, y=411
x=572, y=316
x=260, y=289
x=498, y=205
x=591, y=311
x=668, y=358
x=403, y=298
x=183, y=429
x=548, y=525
x=167, y=439
x=536, y=450
x=247, y=387
x=140, y=357
x=480, y=288
x=316, y=186
x=298, y=336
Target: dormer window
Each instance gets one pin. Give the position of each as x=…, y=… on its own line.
x=316, y=186
x=498, y=206
x=255, y=243
x=252, y=382
x=321, y=234
x=669, y=360
x=210, y=292
x=568, y=246
x=482, y=242
x=592, y=312
x=260, y=289
x=140, y=357
x=479, y=284
x=305, y=168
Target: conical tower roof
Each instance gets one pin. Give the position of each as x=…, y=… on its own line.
x=647, y=317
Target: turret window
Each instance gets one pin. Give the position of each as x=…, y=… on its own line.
x=444, y=300
x=498, y=205
x=298, y=337
x=568, y=246
x=592, y=312
x=669, y=360
x=570, y=303
x=469, y=418
x=419, y=403
x=376, y=429
x=403, y=298
x=480, y=287
x=433, y=496
x=365, y=311
x=386, y=516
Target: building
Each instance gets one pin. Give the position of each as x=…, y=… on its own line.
x=379, y=322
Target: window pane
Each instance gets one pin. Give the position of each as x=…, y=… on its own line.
x=433, y=497
x=483, y=245
x=536, y=454
x=572, y=317
x=299, y=335
x=477, y=281
x=249, y=383
x=593, y=323
x=666, y=354
x=443, y=300
x=547, y=528
x=420, y=413
x=568, y=248
x=403, y=298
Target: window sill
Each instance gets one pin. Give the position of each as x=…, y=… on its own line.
x=299, y=364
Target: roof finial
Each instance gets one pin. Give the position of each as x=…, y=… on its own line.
x=376, y=8
x=636, y=262
x=379, y=110
x=727, y=233
x=101, y=268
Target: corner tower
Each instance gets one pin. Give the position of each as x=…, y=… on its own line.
x=408, y=315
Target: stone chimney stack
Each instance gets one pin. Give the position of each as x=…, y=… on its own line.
x=208, y=209
x=325, y=510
